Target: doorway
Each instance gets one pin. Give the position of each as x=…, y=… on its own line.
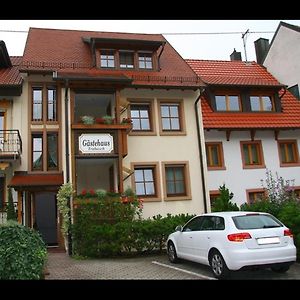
x=46, y=217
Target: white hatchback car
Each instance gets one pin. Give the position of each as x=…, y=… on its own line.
x=229, y=241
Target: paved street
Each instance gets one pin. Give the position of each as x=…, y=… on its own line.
x=61, y=266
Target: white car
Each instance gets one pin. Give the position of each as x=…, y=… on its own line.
x=229, y=241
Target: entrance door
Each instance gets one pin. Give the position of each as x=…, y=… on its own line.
x=45, y=216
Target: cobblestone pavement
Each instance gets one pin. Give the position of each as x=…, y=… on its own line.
x=61, y=266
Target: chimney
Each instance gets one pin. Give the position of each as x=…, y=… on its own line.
x=261, y=49
x=235, y=55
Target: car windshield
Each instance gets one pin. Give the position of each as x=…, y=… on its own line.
x=256, y=221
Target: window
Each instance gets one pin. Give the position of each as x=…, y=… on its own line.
x=140, y=116
x=193, y=225
x=51, y=101
x=107, y=59
x=255, y=195
x=37, y=151
x=227, y=103
x=145, y=60
x=44, y=103
x=252, y=154
x=145, y=180
x=170, y=116
x=261, y=103
x=176, y=181
x=52, y=151
x=37, y=104
x=288, y=152
x=215, y=157
x=126, y=60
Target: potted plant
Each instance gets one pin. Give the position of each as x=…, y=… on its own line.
x=88, y=120
x=108, y=119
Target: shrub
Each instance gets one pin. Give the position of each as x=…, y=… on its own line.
x=23, y=252
x=223, y=202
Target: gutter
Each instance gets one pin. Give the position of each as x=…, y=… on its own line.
x=67, y=159
x=202, y=167
x=161, y=51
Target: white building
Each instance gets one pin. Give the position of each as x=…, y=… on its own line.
x=251, y=124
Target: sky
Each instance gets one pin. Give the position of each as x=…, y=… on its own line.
x=206, y=45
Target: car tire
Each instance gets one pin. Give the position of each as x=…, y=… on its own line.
x=218, y=265
x=280, y=268
x=172, y=255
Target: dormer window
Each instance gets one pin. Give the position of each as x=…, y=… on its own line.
x=261, y=103
x=228, y=103
x=126, y=59
x=145, y=61
x=107, y=59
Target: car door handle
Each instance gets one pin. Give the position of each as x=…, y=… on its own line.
x=190, y=237
x=208, y=237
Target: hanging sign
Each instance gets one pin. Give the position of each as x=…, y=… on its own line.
x=96, y=143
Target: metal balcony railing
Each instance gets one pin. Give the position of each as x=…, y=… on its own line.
x=10, y=143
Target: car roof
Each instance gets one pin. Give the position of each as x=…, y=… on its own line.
x=232, y=213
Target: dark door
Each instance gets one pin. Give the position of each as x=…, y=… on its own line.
x=45, y=216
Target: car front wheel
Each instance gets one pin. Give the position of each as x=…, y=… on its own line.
x=172, y=255
x=218, y=265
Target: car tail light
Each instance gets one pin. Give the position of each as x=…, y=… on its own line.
x=288, y=232
x=239, y=237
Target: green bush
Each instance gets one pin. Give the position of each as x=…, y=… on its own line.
x=22, y=252
x=11, y=212
x=223, y=201
x=124, y=237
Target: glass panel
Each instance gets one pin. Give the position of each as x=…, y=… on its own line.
x=37, y=160
x=37, y=104
x=148, y=64
x=52, y=151
x=169, y=174
x=164, y=111
x=166, y=124
x=214, y=156
x=179, y=187
x=149, y=188
x=290, y=151
x=255, y=157
x=37, y=95
x=142, y=64
x=51, y=114
x=178, y=173
x=254, y=103
x=37, y=144
x=134, y=113
x=246, y=154
x=138, y=175
x=111, y=64
x=170, y=187
x=174, y=111
x=175, y=124
x=221, y=103
x=136, y=124
x=144, y=114
x=282, y=151
x=234, y=103
x=148, y=174
x=267, y=103
x=145, y=124
x=140, y=189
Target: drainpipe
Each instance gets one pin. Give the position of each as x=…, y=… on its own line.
x=67, y=158
x=202, y=168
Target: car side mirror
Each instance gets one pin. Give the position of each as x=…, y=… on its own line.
x=178, y=228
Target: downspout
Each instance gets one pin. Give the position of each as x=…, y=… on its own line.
x=159, y=55
x=202, y=168
x=67, y=159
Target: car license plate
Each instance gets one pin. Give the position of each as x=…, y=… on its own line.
x=269, y=240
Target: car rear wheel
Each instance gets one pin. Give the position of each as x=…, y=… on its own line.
x=280, y=268
x=218, y=265
x=172, y=255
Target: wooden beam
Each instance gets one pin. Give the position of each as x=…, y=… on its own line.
x=228, y=132
x=252, y=134
x=20, y=207
x=276, y=133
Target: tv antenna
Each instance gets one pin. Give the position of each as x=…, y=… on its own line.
x=244, y=37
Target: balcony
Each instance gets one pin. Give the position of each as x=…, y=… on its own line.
x=10, y=145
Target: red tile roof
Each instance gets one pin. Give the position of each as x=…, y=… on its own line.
x=65, y=51
x=11, y=76
x=22, y=180
x=219, y=72
x=237, y=74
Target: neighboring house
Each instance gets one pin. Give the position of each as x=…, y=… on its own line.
x=251, y=124
x=282, y=57
x=69, y=74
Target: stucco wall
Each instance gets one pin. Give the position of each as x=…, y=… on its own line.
x=168, y=148
x=283, y=57
x=238, y=179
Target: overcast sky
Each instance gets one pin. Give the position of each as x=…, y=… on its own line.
x=199, y=46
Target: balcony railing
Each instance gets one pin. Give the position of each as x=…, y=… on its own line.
x=10, y=144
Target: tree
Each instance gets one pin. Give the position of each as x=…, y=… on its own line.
x=223, y=202
x=11, y=213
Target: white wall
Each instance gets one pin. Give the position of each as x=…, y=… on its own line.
x=168, y=148
x=282, y=60
x=238, y=179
